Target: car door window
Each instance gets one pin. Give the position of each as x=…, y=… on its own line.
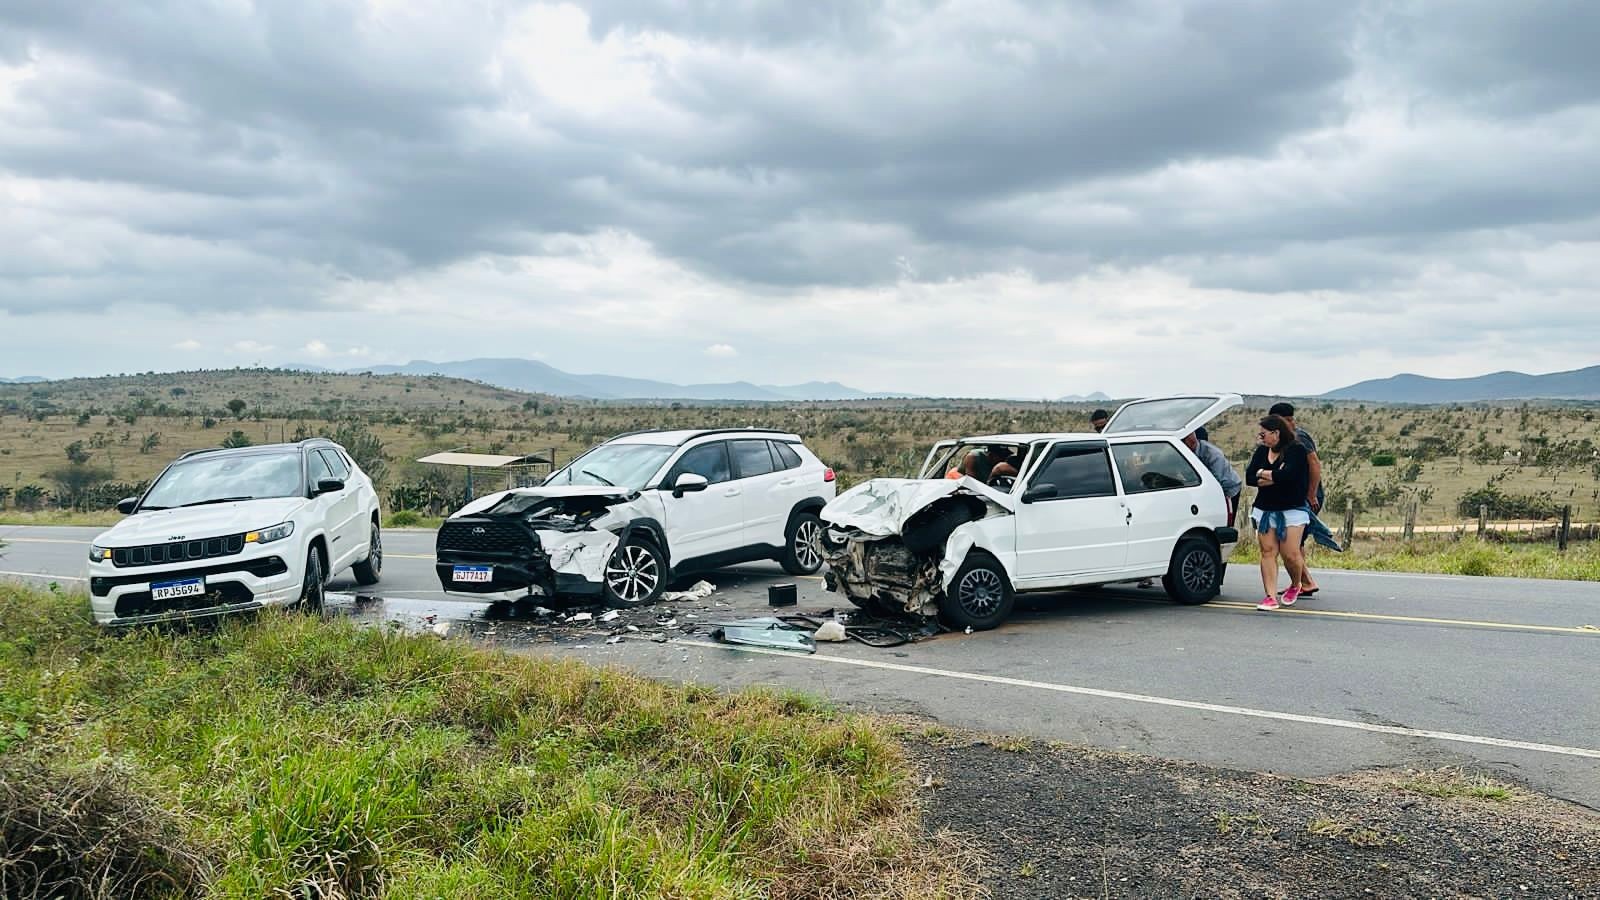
x=1154, y=466
x=751, y=458
x=786, y=455
x=707, y=460
x=1078, y=472
x=317, y=469
x=336, y=464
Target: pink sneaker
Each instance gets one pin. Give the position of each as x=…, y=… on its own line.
x=1269, y=604
x=1290, y=596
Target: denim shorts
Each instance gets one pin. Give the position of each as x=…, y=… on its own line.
x=1292, y=518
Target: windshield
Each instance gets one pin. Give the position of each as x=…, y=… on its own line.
x=214, y=479
x=989, y=463
x=615, y=465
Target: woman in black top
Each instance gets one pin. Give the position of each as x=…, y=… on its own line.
x=1280, y=472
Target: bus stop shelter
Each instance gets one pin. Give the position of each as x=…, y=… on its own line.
x=520, y=471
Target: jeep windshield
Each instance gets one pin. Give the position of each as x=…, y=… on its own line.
x=221, y=479
x=615, y=465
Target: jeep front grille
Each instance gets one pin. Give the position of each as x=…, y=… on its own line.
x=177, y=551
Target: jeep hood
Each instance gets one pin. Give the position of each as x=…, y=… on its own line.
x=880, y=507
x=199, y=522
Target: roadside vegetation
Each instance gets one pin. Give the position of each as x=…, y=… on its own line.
x=296, y=757
x=1443, y=556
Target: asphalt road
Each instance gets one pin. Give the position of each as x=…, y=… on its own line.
x=1376, y=670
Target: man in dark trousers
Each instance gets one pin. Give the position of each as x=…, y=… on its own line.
x=1314, y=492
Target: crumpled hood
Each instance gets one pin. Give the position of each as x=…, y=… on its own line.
x=199, y=522
x=880, y=507
x=573, y=490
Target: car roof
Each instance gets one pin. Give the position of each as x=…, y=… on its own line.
x=684, y=436
x=259, y=448
x=1058, y=436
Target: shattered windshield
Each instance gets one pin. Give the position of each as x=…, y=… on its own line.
x=989, y=463
x=615, y=465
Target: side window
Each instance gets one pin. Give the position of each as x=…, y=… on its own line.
x=316, y=469
x=751, y=458
x=1078, y=472
x=786, y=455
x=1156, y=466
x=336, y=464
x=709, y=460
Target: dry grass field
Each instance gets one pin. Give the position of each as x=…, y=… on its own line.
x=1535, y=457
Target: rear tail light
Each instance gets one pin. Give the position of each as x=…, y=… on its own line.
x=827, y=474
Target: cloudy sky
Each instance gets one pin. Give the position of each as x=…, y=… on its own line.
x=971, y=198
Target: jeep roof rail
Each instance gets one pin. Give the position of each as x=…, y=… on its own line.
x=200, y=451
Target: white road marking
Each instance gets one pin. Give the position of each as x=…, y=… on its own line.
x=43, y=576
x=28, y=540
x=1325, y=721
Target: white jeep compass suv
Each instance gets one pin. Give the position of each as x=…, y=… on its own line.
x=623, y=519
x=226, y=530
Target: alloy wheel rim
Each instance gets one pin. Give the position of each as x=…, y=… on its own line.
x=808, y=544
x=980, y=592
x=633, y=574
x=377, y=549
x=1198, y=570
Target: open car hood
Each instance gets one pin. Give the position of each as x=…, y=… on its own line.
x=518, y=501
x=880, y=507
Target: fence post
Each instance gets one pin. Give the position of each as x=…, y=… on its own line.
x=1483, y=519
x=1411, y=519
x=1349, y=532
x=1566, y=529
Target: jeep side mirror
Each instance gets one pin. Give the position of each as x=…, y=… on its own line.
x=688, y=483
x=127, y=505
x=1046, y=491
x=329, y=486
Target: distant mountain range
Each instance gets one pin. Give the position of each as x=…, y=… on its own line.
x=26, y=379
x=1578, y=384
x=1095, y=397
x=542, y=378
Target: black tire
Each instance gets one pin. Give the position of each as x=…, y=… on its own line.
x=1195, y=574
x=980, y=596
x=635, y=575
x=369, y=570
x=311, y=589
x=802, y=545
x=927, y=530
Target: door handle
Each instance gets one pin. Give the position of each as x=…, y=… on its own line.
x=1129, y=516
x=733, y=493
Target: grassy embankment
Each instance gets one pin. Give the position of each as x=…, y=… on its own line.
x=291, y=756
x=1581, y=561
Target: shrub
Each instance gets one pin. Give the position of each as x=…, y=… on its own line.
x=1383, y=458
x=1478, y=561
x=404, y=518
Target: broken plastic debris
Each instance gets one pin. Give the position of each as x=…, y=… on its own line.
x=830, y=631
x=614, y=639
x=633, y=628
x=440, y=629
x=541, y=611
x=700, y=591
x=670, y=623
x=969, y=629
x=581, y=617
x=609, y=616
x=765, y=632
x=659, y=637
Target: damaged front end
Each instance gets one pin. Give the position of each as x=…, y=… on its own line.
x=556, y=542
x=892, y=545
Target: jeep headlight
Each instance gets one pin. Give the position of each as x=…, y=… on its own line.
x=99, y=554
x=268, y=535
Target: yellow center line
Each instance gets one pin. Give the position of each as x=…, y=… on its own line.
x=26, y=540
x=1333, y=613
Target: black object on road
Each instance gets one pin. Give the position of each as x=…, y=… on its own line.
x=782, y=595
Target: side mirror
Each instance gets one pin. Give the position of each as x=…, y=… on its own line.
x=329, y=486
x=127, y=505
x=1046, y=491
x=689, y=483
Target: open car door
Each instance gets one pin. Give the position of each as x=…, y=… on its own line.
x=1177, y=415
x=938, y=451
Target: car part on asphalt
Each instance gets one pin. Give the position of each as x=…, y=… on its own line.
x=766, y=631
x=782, y=595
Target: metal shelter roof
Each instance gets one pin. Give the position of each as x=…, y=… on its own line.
x=482, y=460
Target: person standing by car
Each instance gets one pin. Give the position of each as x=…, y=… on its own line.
x=1314, y=492
x=1212, y=456
x=1098, y=420
x=1280, y=472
